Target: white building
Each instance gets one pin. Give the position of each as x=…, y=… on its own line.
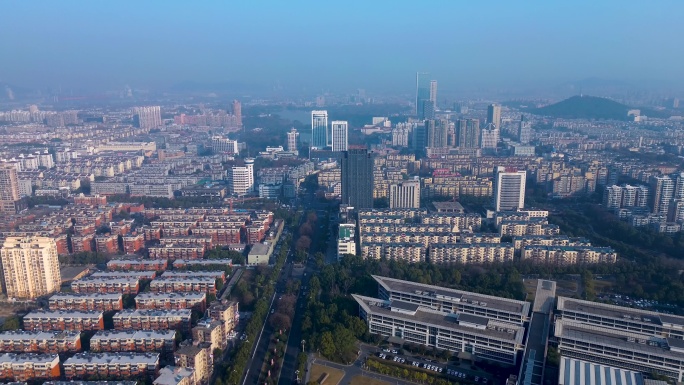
x=405, y=194
x=292, y=140
x=509, y=189
x=220, y=144
x=340, y=130
x=242, y=178
x=30, y=266
x=346, y=239
x=148, y=117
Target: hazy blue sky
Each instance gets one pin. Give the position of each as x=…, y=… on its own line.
x=338, y=45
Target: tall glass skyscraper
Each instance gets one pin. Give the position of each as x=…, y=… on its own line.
x=339, y=135
x=422, y=93
x=319, y=129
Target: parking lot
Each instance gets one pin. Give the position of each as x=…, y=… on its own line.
x=451, y=371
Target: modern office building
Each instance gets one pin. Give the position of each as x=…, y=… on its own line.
x=340, y=140
x=293, y=141
x=148, y=117
x=482, y=337
x=627, y=338
x=405, y=194
x=509, y=189
x=30, y=266
x=319, y=129
x=422, y=93
x=448, y=300
x=357, y=178
x=468, y=133
x=662, y=191
x=494, y=115
x=242, y=178
x=9, y=190
x=524, y=131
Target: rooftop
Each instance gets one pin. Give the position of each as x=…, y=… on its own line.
x=465, y=323
x=149, y=295
x=20, y=335
x=63, y=314
x=618, y=312
x=134, y=334
x=172, y=375
x=20, y=358
x=453, y=295
x=114, y=358
x=73, y=296
x=154, y=313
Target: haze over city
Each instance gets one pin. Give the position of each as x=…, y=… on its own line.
x=341, y=193
x=307, y=46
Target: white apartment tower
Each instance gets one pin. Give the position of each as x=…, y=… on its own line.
x=405, y=194
x=148, y=117
x=509, y=189
x=30, y=267
x=433, y=93
x=292, y=140
x=340, y=129
x=242, y=178
x=494, y=115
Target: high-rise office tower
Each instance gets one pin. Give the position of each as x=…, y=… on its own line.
x=433, y=94
x=524, y=131
x=148, y=117
x=339, y=135
x=494, y=115
x=9, y=190
x=422, y=93
x=237, y=112
x=437, y=133
x=357, y=178
x=292, y=140
x=242, y=178
x=405, y=194
x=662, y=191
x=490, y=136
x=468, y=133
x=30, y=267
x=509, y=189
x=419, y=138
x=319, y=129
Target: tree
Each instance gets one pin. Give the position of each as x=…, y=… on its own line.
x=327, y=344
x=280, y=321
x=11, y=323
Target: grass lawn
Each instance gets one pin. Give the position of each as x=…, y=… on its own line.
x=363, y=380
x=318, y=371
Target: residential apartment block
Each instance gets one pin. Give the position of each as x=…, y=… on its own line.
x=39, y=342
x=162, y=341
x=137, y=264
x=471, y=253
x=569, y=255
x=58, y=320
x=92, y=301
x=111, y=365
x=143, y=319
x=183, y=285
x=29, y=367
x=171, y=300
x=106, y=285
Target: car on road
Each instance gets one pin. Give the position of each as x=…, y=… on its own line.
x=394, y=351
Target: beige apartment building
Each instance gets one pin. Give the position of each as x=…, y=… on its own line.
x=30, y=266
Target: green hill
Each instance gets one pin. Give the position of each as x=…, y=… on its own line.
x=584, y=107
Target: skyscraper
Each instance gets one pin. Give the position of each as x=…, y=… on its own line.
x=405, y=194
x=433, y=93
x=357, y=178
x=437, y=133
x=679, y=187
x=242, y=178
x=237, y=112
x=524, y=131
x=9, y=190
x=509, y=189
x=292, y=140
x=319, y=129
x=30, y=266
x=468, y=133
x=148, y=117
x=662, y=191
x=339, y=135
x=422, y=93
x=494, y=115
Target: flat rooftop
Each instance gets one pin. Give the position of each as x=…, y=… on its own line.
x=113, y=358
x=20, y=335
x=578, y=372
x=76, y=296
x=486, y=328
x=122, y=274
x=154, y=313
x=619, y=312
x=622, y=340
x=192, y=296
x=63, y=314
x=184, y=274
x=453, y=295
x=134, y=334
x=20, y=358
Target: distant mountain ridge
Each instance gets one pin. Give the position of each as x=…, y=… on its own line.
x=584, y=107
